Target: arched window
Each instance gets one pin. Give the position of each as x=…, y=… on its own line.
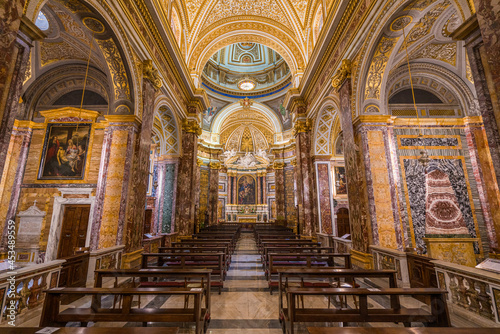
x=42, y=22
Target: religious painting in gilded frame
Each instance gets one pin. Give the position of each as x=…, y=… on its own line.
x=340, y=181
x=64, y=152
x=246, y=190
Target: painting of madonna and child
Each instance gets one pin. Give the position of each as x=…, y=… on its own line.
x=65, y=152
x=246, y=190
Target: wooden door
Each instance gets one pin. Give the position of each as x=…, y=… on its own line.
x=148, y=220
x=343, y=222
x=74, y=229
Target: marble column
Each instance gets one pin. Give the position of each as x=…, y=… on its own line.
x=140, y=171
x=213, y=193
x=379, y=180
x=478, y=35
x=305, y=174
x=264, y=186
x=279, y=177
x=188, y=178
x=18, y=35
x=257, y=198
x=235, y=189
x=15, y=162
x=358, y=201
x=481, y=73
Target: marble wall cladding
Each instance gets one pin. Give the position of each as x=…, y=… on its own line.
x=213, y=195
x=168, y=198
x=452, y=142
x=360, y=233
x=489, y=192
x=280, y=193
x=290, y=209
x=155, y=183
x=456, y=164
x=204, y=175
x=114, y=185
x=383, y=215
x=187, y=194
x=324, y=192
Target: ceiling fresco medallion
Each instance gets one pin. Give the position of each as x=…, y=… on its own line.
x=246, y=84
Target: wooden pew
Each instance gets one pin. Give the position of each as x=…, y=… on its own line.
x=214, y=261
x=281, y=261
x=227, y=257
x=294, y=249
x=205, y=244
x=53, y=317
x=438, y=317
x=95, y=330
x=399, y=330
x=151, y=278
x=285, y=243
x=329, y=278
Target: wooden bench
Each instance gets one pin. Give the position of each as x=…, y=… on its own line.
x=227, y=257
x=399, y=330
x=330, y=278
x=95, y=330
x=285, y=243
x=438, y=316
x=205, y=244
x=152, y=278
x=53, y=317
x=294, y=249
x=281, y=261
x=214, y=261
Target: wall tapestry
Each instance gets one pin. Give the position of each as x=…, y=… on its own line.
x=340, y=182
x=246, y=190
x=65, y=152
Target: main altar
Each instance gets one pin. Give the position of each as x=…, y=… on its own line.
x=247, y=186
x=247, y=213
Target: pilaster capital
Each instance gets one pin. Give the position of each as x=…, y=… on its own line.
x=191, y=126
x=150, y=73
x=302, y=125
x=293, y=162
x=299, y=107
x=278, y=165
x=342, y=74
x=214, y=165
x=232, y=173
x=199, y=162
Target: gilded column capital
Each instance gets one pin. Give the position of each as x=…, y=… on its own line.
x=191, y=126
x=299, y=107
x=199, y=162
x=150, y=73
x=293, y=162
x=302, y=125
x=278, y=165
x=343, y=73
x=214, y=165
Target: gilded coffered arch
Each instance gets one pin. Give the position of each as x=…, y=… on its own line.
x=95, y=21
x=419, y=25
x=323, y=127
x=252, y=33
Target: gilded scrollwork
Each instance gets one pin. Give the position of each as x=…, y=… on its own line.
x=150, y=73
x=302, y=125
x=191, y=126
x=116, y=68
x=377, y=67
x=343, y=73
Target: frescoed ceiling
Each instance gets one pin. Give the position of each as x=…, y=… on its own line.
x=209, y=25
